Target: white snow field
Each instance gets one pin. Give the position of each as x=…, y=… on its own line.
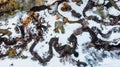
x=42, y=47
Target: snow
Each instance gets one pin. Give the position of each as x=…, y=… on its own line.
x=109, y=62
x=74, y=7
x=50, y=1
x=42, y=47
x=113, y=11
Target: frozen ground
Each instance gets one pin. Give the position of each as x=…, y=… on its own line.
x=69, y=28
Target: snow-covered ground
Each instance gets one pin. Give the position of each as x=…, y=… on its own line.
x=42, y=47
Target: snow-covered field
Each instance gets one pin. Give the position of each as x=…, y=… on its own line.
x=42, y=47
